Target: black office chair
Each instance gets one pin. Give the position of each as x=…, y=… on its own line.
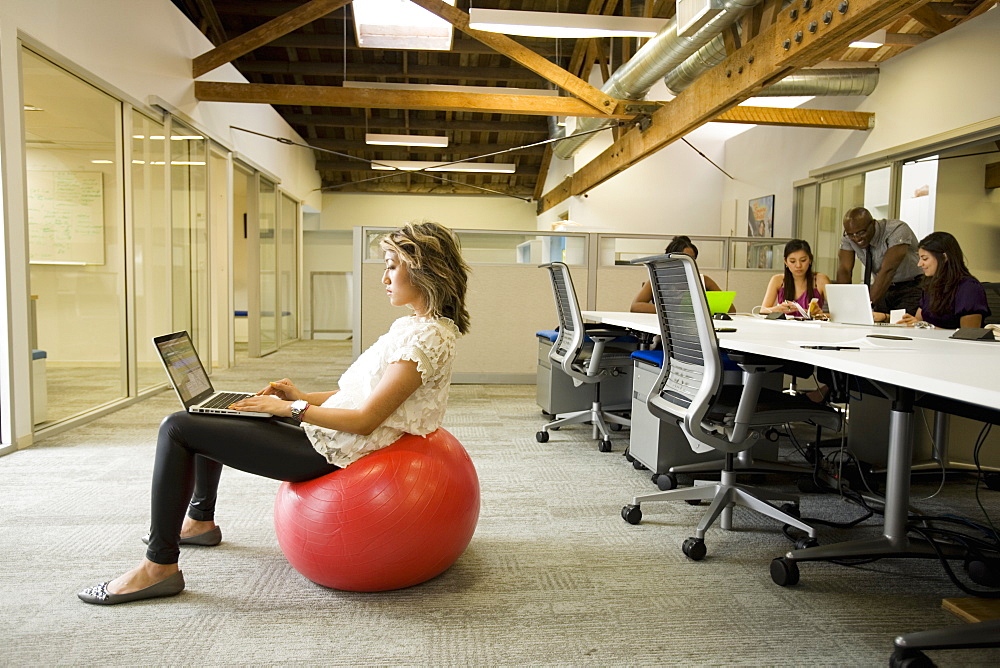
x=993, y=301
x=584, y=354
x=728, y=418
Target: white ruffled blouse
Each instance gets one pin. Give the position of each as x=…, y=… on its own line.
x=430, y=342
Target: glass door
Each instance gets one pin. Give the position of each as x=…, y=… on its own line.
x=73, y=154
x=288, y=265
x=267, y=253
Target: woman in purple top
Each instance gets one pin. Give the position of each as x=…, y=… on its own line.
x=952, y=297
x=798, y=285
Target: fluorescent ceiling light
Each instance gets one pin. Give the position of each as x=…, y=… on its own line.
x=692, y=15
x=183, y=137
x=442, y=88
x=31, y=107
x=102, y=162
x=886, y=38
x=400, y=24
x=413, y=165
x=405, y=140
x=558, y=24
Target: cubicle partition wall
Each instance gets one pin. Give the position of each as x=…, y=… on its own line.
x=510, y=298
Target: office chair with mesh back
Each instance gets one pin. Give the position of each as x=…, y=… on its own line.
x=711, y=414
x=584, y=354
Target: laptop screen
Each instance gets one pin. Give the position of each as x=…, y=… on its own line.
x=849, y=304
x=186, y=372
x=719, y=301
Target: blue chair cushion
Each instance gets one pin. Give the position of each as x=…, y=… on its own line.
x=651, y=356
x=656, y=357
x=38, y=354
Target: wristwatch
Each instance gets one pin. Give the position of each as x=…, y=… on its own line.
x=299, y=407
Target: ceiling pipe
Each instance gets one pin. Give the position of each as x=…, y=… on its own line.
x=656, y=58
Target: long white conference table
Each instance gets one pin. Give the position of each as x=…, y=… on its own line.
x=925, y=363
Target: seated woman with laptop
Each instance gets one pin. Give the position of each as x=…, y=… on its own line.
x=799, y=290
x=643, y=302
x=952, y=297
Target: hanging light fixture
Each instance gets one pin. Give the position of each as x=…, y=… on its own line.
x=476, y=167
x=560, y=25
x=405, y=140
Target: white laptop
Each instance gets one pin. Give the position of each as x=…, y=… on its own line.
x=849, y=304
x=190, y=381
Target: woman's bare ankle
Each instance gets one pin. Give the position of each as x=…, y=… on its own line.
x=195, y=527
x=146, y=574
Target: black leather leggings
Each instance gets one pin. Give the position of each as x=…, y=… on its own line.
x=190, y=453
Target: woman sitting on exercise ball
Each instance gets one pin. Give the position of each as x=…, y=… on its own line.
x=398, y=386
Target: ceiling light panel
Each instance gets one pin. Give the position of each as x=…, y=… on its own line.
x=558, y=24
x=405, y=140
x=400, y=24
x=476, y=167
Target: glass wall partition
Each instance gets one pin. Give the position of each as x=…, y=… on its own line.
x=268, y=264
x=151, y=244
x=73, y=153
x=288, y=255
x=189, y=212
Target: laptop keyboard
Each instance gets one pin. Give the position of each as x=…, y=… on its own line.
x=223, y=399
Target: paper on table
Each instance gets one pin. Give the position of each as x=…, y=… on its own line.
x=896, y=314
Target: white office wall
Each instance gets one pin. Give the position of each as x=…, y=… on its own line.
x=471, y=212
x=945, y=84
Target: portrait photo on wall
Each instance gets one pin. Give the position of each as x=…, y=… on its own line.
x=761, y=223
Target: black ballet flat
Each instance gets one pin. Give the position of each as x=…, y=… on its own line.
x=99, y=594
x=210, y=538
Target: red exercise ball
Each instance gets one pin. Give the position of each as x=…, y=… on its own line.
x=394, y=518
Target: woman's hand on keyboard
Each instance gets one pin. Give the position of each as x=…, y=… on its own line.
x=264, y=403
x=283, y=389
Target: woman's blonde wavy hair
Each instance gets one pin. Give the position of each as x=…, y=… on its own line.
x=433, y=257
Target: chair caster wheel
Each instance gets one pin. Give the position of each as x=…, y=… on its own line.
x=790, y=509
x=604, y=446
x=637, y=465
x=628, y=456
x=665, y=481
x=909, y=658
x=547, y=415
x=694, y=549
x=784, y=572
x=615, y=426
x=542, y=436
x=805, y=542
x=632, y=514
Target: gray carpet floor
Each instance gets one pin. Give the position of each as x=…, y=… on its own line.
x=553, y=576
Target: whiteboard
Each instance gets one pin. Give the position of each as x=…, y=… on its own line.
x=66, y=217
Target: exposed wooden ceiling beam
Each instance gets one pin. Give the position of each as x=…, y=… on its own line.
x=450, y=188
x=526, y=57
x=377, y=98
x=454, y=152
x=365, y=166
x=261, y=35
x=461, y=44
x=803, y=118
x=778, y=50
x=354, y=70
x=931, y=19
x=531, y=124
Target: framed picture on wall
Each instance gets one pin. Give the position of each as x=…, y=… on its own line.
x=761, y=222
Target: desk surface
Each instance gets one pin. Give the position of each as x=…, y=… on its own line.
x=929, y=362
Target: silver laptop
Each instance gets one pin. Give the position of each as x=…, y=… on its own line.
x=849, y=304
x=190, y=381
